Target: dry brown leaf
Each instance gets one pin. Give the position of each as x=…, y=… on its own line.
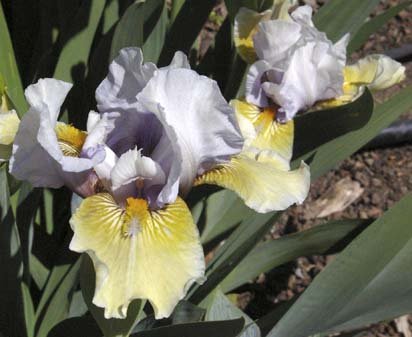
x=402, y=325
x=336, y=199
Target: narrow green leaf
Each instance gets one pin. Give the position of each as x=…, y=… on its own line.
x=142, y=25
x=12, y=320
x=233, y=6
x=129, y=30
x=176, y=6
x=368, y=282
x=221, y=308
x=319, y=127
x=57, y=306
x=236, y=247
x=373, y=25
x=236, y=77
x=28, y=203
x=330, y=154
x=338, y=17
x=8, y=68
x=29, y=314
x=155, y=40
x=110, y=327
x=78, y=306
x=222, y=211
x=273, y=253
x=200, y=329
x=38, y=272
x=186, y=312
x=110, y=15
x=76, y=326
x=72, y=63
x=48, y=211
x=75, y=53
x=268, y=321
x=183, y=32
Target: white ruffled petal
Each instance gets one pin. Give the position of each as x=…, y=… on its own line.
x=274, y=40
x=127, y=76
x=202, y=121
x=312, y=75
x=47, y=96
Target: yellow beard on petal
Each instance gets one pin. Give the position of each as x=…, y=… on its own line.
x=138, y=252
x=70, y=139
x=137, y=214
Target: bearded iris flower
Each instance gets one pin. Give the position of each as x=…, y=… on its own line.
x=164, y=131
x=297, y=66
x=299, y=69
x=48, y=153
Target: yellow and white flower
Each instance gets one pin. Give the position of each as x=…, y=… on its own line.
x=175, y=130
x=298, y=65
x=48, y=153
x=164, y=131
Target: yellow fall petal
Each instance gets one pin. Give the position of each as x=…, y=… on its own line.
x=262, y=180
x=138, y=253
x=262, y=131
x=246, y=25
x=376, y=71
x=9, y=124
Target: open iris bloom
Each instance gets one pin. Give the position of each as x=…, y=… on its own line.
x=297, y=65
x=48, y=153
x=298, y=69
x=160, y=132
